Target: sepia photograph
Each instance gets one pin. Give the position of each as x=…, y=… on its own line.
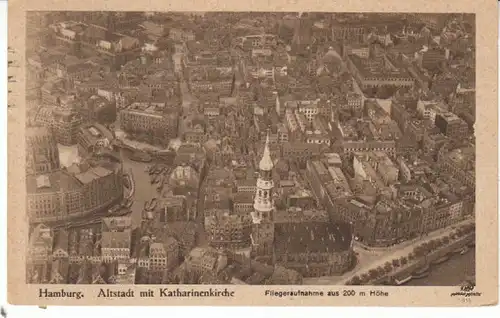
x=233, y=148
x=250, y=148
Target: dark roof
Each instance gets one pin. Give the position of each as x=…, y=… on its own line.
x=62, y=240
x=312, y=237
x=243, y=197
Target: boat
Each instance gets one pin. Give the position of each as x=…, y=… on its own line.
x=421, y=273
x=458, y=250
x=126, y=182
x=156, y=179
x=150, y=205
x=464, y=250
x=114, y=209
x=403, y=280
x=158, y=170
x=440, y=260
x=163, y=170
x=141, y=157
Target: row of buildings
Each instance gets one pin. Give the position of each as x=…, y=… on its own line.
x=56, y=193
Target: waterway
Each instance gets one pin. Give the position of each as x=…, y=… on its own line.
x=450, y=273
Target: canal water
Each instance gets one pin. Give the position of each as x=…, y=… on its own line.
x=450, y=273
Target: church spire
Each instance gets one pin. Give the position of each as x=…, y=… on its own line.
x=266, y=163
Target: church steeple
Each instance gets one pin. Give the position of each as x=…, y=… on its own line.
x=262, y=217
x=263, y=201
x=266, y=163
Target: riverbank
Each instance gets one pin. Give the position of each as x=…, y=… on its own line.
x=450, y=273
x=435, y=258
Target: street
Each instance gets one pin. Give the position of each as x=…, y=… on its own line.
x=187, y=98
x=378, y=257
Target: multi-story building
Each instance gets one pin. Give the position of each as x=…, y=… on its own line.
x=258, y=41
x=170, y=209
x=246, y=185
x=156, y=124
x=184, y=180
x=383, y=165
x=361, y=50
x=436, y=214
x=390, y=222
x=204, y=260
x=65, y=125
x=327, y=183
x=432, y=142
x=164, y=255
x=432, y=59
x=451, y=125
x=42, y=155
x=314, y=248
x=181, y=35
x=229, y=231
x=204, y=79
x=194, y=129
x=352, y=146
x=460, y=163
x=39, y=254
x=95, y=39
x=378, y=72
x=428, y=110
x=364, y=168
x=79, y=190
x=40, y=244
x=115, y=47
x=349, y=33
x=400, y=115
x=68, y=34
x=355, y=102
x=116, y=238
x=411, y=169
x=300, y=152
x=93, y=137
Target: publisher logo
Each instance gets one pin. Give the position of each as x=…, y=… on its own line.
x=467, y=291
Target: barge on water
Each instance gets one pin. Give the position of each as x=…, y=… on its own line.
x=464, y=250
x=421, y=273
x=457, y=250
x=401, y=280
x=140, y=156
x=440, y=260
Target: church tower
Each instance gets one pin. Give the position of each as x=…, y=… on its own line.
x=262, y=216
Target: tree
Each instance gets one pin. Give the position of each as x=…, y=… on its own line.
x=388, y=267
x=440, y=242
x=418, y=251
x=403, y=260
x=355, y=280
x=432, y=244
x=381, y=271
x=365, y=278
x=396, y=263
x=373, y=273
x=446, y=240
